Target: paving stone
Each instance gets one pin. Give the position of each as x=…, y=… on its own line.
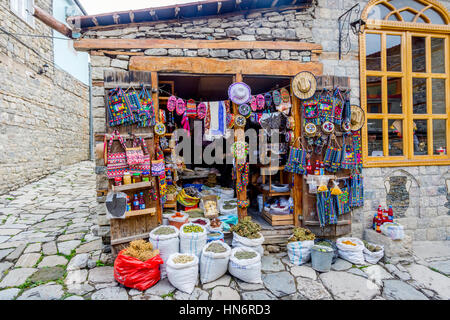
x=4, y=238
x=279, y=283
x=28, y=260
x=4, y=253
x=101, y=274
x=13, y=256
x=44, y=292
x=429, y=279
x=49, y=248
x=74, y=298
x=377, y=274
x=270, y=263
x=223, y=281
x=34, y=247
x=347, y=286
x=9, y=294
x=341, y=265
x=9, y=232
x=286, y=261
x=4, y=266
x=295, y=297
x=66, y=247
x=80, y=289
x=441, y=266
x=110, y=293
x=358, y=272
x=248, y=286
x=76, y=276
x=258, y=295
x=134, y=292
x=90, y=246
x=224, y=293
x=71, y=236
x=146, y=297
x=163, y=287
x=305, y=272
x=105, y=285
x=47, y=274
x=312, y=290
x=78, y=262
x=17, y=277
x=52, y=261
x=399, y=290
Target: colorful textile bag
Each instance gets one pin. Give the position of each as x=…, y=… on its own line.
x=116, y=164
x=311, y=111
x=191, y=109
x=296, y=161
x=144, y=166
x=338, y=106
x=158, y=167
x=348, y=154
x=333, y=155
x=135, y=155
x=356, y=191
x=119, y=112
x=326, y=108
x=147, y=112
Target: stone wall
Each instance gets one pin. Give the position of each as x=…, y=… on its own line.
x=425, y=205
x=44, y=119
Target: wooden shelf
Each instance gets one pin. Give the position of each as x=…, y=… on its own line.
x=135, y=213
x=273, y=193
x=133, y=186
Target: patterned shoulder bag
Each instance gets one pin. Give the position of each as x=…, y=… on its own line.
x=325, y=108
x=333, y=155
x=147, y=112
x=144, y=166
x=119, y=111
x=311, y=111
x=296, y=161
x=338, y=106
x=348, y=153
x=116, y=164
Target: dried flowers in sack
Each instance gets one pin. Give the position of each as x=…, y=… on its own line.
x=138, y=266
x=192, y=238
x=245, y=264
x=214, y=261
x=299, y=246
x=166, y=240
x=247, y=234
x=351, y=249
x=182, y=271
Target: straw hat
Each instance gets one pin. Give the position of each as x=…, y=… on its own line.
x=357, y=118
x=239, y=93
x=304, y=85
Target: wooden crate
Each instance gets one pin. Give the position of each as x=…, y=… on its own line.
x=278, y=220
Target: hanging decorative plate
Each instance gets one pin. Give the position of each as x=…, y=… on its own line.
x=268, y=99
x=181, y=107
x=240, y=121
x=285, y=95
x=230, y=120
x=346, y=126
x=201, y=110
x=239, y=93
x=239, y=149
x=244, y=110
x=289, y=136
x=260, y=101
x=276, y=97
x=290, y=123
x=357, y=118
x=310, y=129
x=160, y=128
x=328, y=127
x=172, y=103
x=254, y=104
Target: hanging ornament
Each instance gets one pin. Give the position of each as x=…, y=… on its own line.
x=191, y=109
x=260, y=101
x=201, y=110
x=310, y=129
x=285, y=95
x=240, y=121
x=172, y=103
x=328, y=127
x=160, y=128
x=276, y=97
x=268, y=99
x=254, y=104
x=244, y=110
x=181, y=106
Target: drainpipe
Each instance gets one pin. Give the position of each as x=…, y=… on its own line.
x=91, y=122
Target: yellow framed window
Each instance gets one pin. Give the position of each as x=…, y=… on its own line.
x=405, y=83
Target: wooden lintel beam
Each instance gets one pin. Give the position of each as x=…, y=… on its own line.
x=50, y=21
x=125, y=44
x=217, y=66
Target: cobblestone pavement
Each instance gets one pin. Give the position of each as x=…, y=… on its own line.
x=48, y=251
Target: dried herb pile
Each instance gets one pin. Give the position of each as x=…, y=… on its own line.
x=247, y=228
x=140, y=249
x=370, y=247
x=192, y=228
x=301, y=234
x=216, y=248
x=181, y=259
x=164, y=231
x=241, y=255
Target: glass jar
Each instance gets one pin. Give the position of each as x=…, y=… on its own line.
x=117, y=181
x=145, y=176
x=126, y=178
x=137, y=177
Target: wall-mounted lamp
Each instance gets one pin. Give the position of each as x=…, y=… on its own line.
x=357, y=26
x=43, y=69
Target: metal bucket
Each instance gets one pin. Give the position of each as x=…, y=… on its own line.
x=321, y=260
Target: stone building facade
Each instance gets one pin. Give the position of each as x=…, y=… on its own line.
x=426, y=206
x=44, y=118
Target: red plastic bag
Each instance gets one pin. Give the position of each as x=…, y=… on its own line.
x=134, y=273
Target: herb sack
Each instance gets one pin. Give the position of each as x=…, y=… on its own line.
x=254, y=244
x=373, y=257
x=183, y=276
x=116, y=163
x=353, y=254
x=299, y=252
x=214, y=265
x=137, y=274
x=166, y=244
x=247, y=270
x=192, y=242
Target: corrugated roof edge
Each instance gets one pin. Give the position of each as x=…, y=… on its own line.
x=202, y=8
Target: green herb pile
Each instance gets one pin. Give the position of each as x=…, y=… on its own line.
x=370, y=247
x=183, y=259
x=241, y=255
x=192, y=228
x=301, y=234
x=324, y=243
x=164, y=231
x=216, y=248
x=247, y=228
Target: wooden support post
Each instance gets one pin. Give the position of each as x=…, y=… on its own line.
x=155, y=98
x=239, y=135
x=298, y=179
x=50, y=21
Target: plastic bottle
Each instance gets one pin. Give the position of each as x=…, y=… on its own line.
x=391, y=214
x=128, y=204
x=309, y=169
x=135, y=204
x=322, y=168
x=379, y=219
x=141, y=201
x=317, y=168
x=385, y=216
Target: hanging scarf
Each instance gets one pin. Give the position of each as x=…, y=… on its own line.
x=185, y=124
x=243, y=169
